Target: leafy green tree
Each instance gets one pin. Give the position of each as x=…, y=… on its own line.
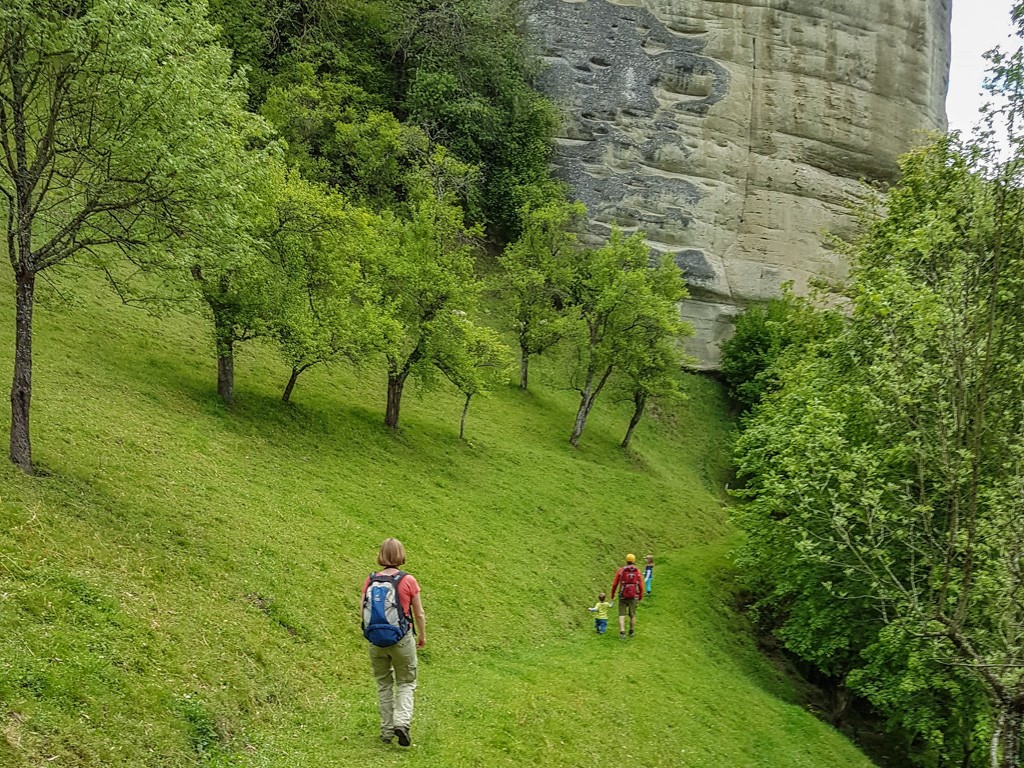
x=426, y=280
x=473, y=358
x=338, y=134
x=119, y=121
x=616, y=299
x=888, y=468
x=535, y=272
x=460, y=72
x=350, y=39
x=233, y=269
x=328, y=311
x=464, y=75
x=652, y=365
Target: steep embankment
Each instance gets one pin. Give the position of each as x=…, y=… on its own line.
x=182, y=589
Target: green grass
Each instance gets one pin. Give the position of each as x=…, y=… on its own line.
x=182, y=588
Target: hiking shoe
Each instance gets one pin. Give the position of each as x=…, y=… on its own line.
x=386, y=739
x=402, y=732
x=631, y=633
x=622, y=635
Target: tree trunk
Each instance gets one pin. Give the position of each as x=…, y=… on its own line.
x=296, y=372
x=21, y=388
x=586, y=403
x=462, y=424
x=396, y=382
x=587, y=399
x=1005, y=751
x=225, y=362
x=524, y=370
x=640, y=400
x=287, y=396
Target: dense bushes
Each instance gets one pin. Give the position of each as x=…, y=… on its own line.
x=763, y=334
x=883, y=467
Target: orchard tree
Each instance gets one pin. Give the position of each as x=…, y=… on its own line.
x=617, y=297
x=328, y=311
x=425, y=277
x=473, y=358
x=118, y=122
x=232, y=266
x=652, y=366
x=535, y=272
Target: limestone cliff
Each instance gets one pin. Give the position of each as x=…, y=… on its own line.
x=734, y=134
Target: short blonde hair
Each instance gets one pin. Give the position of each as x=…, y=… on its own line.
x=391, y=554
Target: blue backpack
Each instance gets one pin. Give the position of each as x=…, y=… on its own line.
x=384, y=623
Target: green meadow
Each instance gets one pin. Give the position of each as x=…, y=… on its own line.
x=180, y=587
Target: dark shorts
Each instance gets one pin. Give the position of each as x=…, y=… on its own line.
x=627, y=606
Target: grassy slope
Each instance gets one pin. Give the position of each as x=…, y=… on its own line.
x=182, y=590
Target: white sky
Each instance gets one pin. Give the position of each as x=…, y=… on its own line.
x=978, y=25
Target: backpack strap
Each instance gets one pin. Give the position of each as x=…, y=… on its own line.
x=408, y=616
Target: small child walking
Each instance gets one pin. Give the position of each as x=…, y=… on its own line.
x=648, y=572
x=600, y=612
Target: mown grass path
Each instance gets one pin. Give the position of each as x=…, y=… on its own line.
x=182, y=589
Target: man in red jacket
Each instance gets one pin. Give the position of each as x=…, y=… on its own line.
x=630, y=584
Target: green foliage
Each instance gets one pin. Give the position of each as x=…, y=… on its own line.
x=347, y=39
x=124, y=141
x=535, y=276
x=467, y=77
x=120, y=123
x=319, y=243
x=619, y=308
x=763, y=334
x=427, y=282
x=472, y=357
x=883, y=474
x=338, y=134
x=338, y=78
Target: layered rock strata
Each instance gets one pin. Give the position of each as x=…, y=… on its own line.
x=736, y=134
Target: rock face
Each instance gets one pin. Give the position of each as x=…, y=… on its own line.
x=735, y=134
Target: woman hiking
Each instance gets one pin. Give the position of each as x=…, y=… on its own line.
x=391, y=601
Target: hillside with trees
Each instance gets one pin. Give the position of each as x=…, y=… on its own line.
x=287, y=278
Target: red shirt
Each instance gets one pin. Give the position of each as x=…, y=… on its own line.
x=408, y=587
x=618, y=578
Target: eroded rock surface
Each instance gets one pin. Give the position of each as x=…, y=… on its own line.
x=735, y=134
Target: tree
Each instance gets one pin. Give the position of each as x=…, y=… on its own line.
x=888, y=469
x=473, y=358
x=464, y=76
x=616, y=297
x=535, y=272
x=328, y=311
x=338, y=134
x=651, y=366
x=118, y=121
x=425, y=278
x=232, y=265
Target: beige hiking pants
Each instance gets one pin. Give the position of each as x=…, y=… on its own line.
x=395, y=667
